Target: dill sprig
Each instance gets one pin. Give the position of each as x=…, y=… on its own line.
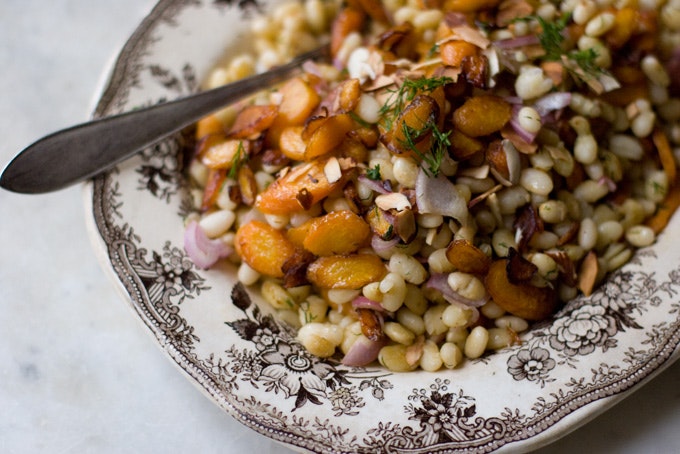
x=237, y=161
x=405, y=93
x=551, y=39
x=373, y=173
x=440, y=145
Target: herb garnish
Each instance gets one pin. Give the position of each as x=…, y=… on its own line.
x=551, y=39
x=406, y=92
x=438, y=149
x=374, y=173
x=237, y=161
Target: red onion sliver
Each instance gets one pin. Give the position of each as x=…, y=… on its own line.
x=379, y=186
x=361, y=302
x=381, y=246
x=438, y=195
x=439, y=281
x=552, y=101
x=519, y=41
x=605, y=180
x=362, y=352
x=311, y=67
x=523, y=133
x=203, y=251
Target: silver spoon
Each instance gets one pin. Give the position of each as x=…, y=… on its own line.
x=82, y=151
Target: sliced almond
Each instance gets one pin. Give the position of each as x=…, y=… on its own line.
x=392, y=201
x=587, y=277
x=332, y=170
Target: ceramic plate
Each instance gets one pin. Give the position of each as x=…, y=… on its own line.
x=596, y=351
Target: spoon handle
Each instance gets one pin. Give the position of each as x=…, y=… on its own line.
x=82, y=151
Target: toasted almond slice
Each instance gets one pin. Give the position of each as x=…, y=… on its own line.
x=392, y=201
x=332, y=170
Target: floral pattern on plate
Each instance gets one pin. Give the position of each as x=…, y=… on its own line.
x=595, y=351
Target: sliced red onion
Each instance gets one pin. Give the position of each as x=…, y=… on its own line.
x=381, y=246
x=361, y=302
x=453, y=19
x=519, y=41
x=379, y=186
x=311, y=67
x=439, y=281
x=363, y=352
x=203, y=251
x=605, y=180
x=525, y=135
x=438, y=195
x=514, y=100
x=552, y=101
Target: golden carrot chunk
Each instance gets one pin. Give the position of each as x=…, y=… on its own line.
x=298, y=102
x=411, y=133
x=253, y=120
x=663, y=148
x=453, y=52
x=209, y=125
x=264, y=248
x=299, y=189
x=521, y=299
x=346, y=271
x=328, y=136
x=468, y=6
x=348, y=20
x=467, y=257
x=213, y=185
x=224, y=154
x=666, y=210
x=482, y=115
x=336, y=233
x=291, y=143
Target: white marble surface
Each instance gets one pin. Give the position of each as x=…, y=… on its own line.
x=78, y=373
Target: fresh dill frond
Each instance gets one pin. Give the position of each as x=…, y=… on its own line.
x=237, y=161
x=405, y=93
x=440, y=145
x=585, y=59
x=374, y=173
x=551, y=39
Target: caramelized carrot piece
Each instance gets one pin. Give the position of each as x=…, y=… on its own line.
x=208, y=141
x=468, y=6
x=346, y=271
x=209, y=125
x=212, y=188
x=223, y=155
x=521, y=299
x=374, y=8
x=348, y=20
x=665, y=211
x=299, y=189
x=666, y=157
x=328, y=136
x=298, y=103
x=453, y=52
x=291, y=143
x=264, y=248
x=467, y=257
x=338, y=232
x=482, y=115
x=253, y=120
